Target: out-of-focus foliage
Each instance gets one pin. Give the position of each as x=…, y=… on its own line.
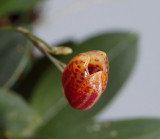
x=129, y=129
x=16, y=116
x=14, y=56
x=15, y=6
x=121, y=49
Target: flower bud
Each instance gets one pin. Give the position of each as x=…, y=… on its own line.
x=85, y=78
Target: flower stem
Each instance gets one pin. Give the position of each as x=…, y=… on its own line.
x=46, y=49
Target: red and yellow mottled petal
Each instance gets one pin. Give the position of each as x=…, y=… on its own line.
x=75, y=73
x=85, y=78
x=90, y=91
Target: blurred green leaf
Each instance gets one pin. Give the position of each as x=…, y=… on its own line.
x=16, y=117
x=130, y=129
x=48, y=91
x=14, y=6
x=14, y=56
x=121, y=49
x=58, y=118
x=35, y=137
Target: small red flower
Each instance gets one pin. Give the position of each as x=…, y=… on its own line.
x=85, y=78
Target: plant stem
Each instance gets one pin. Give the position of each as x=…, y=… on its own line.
x=61, y=66
x=43, y=46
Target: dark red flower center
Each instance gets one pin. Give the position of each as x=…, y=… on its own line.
x=93, y=69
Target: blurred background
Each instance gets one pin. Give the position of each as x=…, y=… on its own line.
x=79, y=19
x=109, y=25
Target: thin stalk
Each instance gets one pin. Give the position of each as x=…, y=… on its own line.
x=28, y=35
x=55, y=61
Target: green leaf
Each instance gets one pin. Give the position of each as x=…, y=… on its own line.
x=14, y=56
x=121, y=49
x=129, y=129
x=69, y=123
x=58, y=118
x=36, y=137
x=14, y=6
x=16, y=117
x=48, y=91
